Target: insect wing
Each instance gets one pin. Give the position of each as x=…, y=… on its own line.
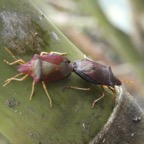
x=102, y=74
x=55, y=67
x=94, y=72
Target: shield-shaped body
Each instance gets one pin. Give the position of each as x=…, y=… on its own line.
x=95, y=73
x=49, y=67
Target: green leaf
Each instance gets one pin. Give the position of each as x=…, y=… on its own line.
x=25, y=31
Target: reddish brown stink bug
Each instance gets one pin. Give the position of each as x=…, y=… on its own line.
x=45, y=67
x=95, y=73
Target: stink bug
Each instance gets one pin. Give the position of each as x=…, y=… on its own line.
x=95, y=73
x=43, y=68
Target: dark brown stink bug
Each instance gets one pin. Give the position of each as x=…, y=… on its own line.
x=45, y=67
x=95, y=73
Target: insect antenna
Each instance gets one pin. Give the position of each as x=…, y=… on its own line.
x=20, y=61
x=14, y=78
x=10, y=53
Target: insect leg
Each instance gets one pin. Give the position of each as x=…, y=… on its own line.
x=112, y=89
x=95, y=101
x=77, y=88
x=45, y=53
x=44, y=87
x=62, y=54
x=33, y=84
x=15, y=79
x=87, y=58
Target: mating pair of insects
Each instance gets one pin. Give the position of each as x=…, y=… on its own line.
x=53, y=66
